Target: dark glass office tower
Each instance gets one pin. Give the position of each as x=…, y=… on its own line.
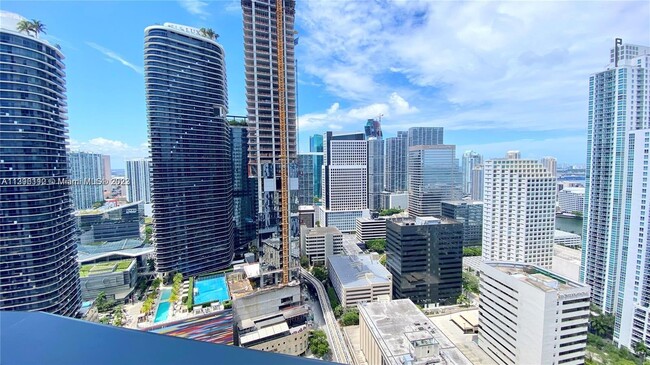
x=38, y=267
x=244, y=190
x=191, y=169
x=425, y=257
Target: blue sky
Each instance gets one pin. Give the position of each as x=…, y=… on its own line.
x=496, y=75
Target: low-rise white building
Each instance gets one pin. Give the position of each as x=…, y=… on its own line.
x=320, y=242
x=359, y=278
x=529, y=315
x=396, y=332
x=567, y=239
x=571, y=199
x=370, y=229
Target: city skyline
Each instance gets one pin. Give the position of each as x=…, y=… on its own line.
x=516, y=115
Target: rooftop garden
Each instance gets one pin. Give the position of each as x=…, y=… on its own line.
x=104, y=267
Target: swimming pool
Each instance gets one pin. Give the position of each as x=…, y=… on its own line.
x=162, y=312
x=211, y=290
x=166, y=294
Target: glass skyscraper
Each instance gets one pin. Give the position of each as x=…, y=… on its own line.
x=395, y=177
x=615, y=253
x=244, y=191
x=86, y=172
x=191, y=169
x=434, y=176
x=38, y=270
x=316, y=143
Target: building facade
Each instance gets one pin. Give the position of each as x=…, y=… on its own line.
x=470, y=160
x=359, y=279
x=434, y=176
x=191, y=169
x=571, y=200
x=244, y=192
x=396, y=162
x=138, y=175
x=316, y=143
x=477, y=182
x=370, y=229
x=110, y=224
x=424, y=255
x=39, y=271
x=470, y=214
x=87, y=175
x=106, y=174
x=614, y=250
x=550, y=163
x=345, y=180
x=262, y=100
x=518, y=211
x=425, y=136
x=319, y=243
x=529, y=315
x=309, y=177
x=375, y=173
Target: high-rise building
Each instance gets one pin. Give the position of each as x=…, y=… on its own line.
x=138, y=176
x=106, y=175
x=470, y=214
x=189, y=137
x=425, y=136
x=518, y=211
x=316, y=143
x=550, y=163
x=615, y=253
x=375, y=172
x=477, y=182
x=425, y=257
x=434, y=176
x=470, y=160
x=87, y=174
x=244, y=191
x=262, y=99
x=571, y=200
x=309, y=177
x=396, y=162
x=529, y=315
x=345, y=180
x=318, y=243
x=39, y=271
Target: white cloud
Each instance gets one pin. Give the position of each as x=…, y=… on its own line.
x=195, y=7
x=118, y=150
x=114, y=56
x=521, y=65
x=335, y=118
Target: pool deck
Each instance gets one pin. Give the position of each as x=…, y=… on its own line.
x=211, y=290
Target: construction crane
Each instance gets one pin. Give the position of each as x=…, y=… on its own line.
x=284, y=141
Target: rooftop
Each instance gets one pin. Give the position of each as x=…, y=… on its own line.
x=105, y=267
x=423, y=221
x=317, y=231
x=359, y=270
x=537, y=277
x=108, y=207
x=463, y=202
x=395, y=323
x=563, y=234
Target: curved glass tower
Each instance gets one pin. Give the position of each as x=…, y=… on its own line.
x=38, y=267
x=191, y=170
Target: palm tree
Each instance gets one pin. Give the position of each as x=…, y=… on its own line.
x=37, y=27
x=208, y=33
x=24, y=26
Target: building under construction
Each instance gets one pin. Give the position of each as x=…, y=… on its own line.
x=271, y=106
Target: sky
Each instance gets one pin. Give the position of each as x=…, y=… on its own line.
x=497, y=76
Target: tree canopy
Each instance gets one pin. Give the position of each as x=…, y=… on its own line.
x=318, y=344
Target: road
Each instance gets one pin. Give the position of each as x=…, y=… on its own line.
x=339, y=350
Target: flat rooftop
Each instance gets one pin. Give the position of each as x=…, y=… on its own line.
x=463, y=202
x=319, y=231
x=537, y=277
x=359, y=270
x=379, y=220
x=105, y=267
x=393, y=323
x=563, y=234
x=424, y=221
x=107, y=208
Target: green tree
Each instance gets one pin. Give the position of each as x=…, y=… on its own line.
x=156, y=283
x=118, y=316
x=472, y=251
x=317, y=224
x=151, y=263
x=641, y=350
x=304, y=261
x=350, y=317
x=390, y=211
x=24, y=26
x=319, y=272
x=602, y=325
x=37, y=27
x=334, y=300
x=377, y=245
x=470, y=283
x=318, y=344
x=463, y=300
x=101, y=299
x=382, y=260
